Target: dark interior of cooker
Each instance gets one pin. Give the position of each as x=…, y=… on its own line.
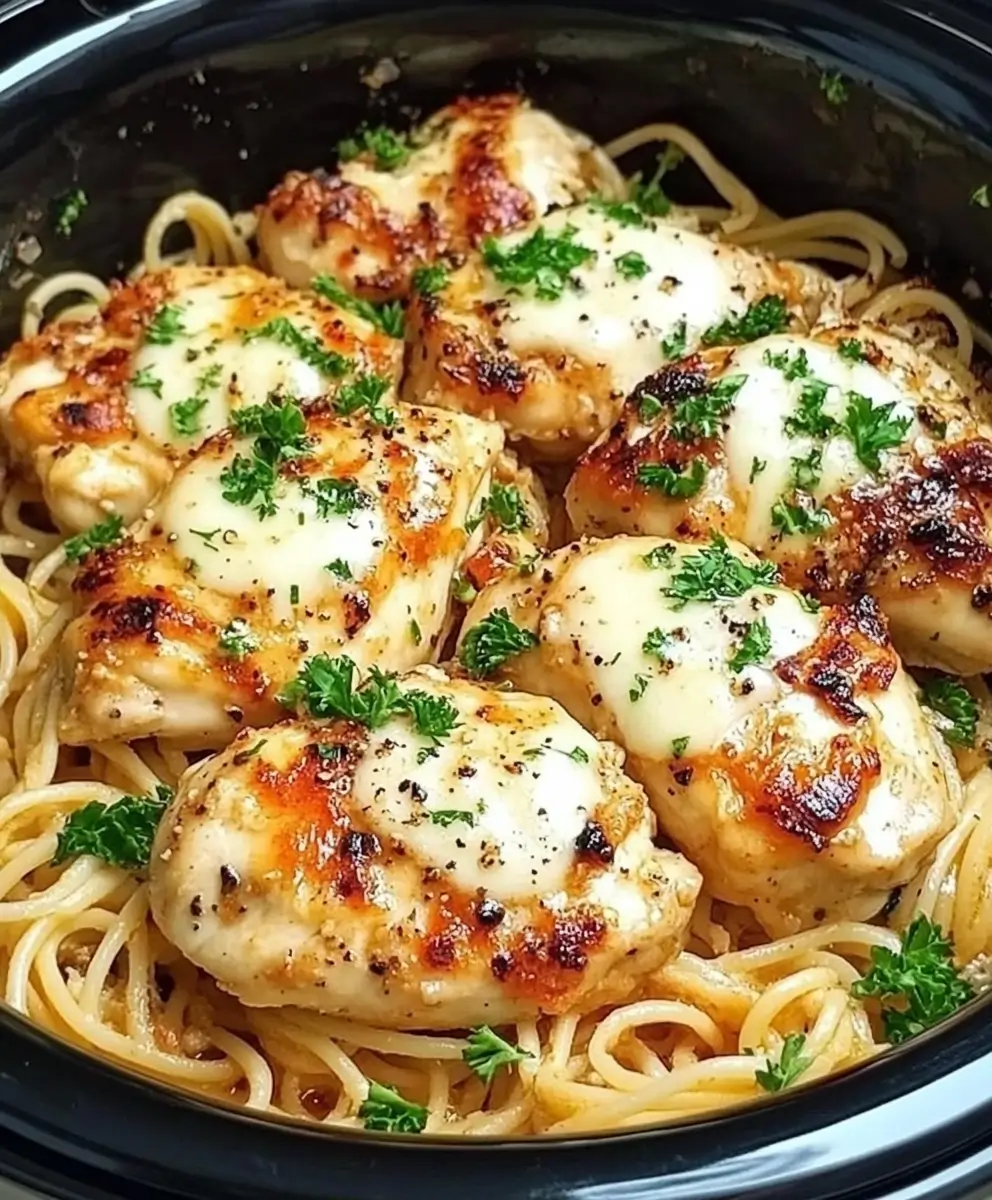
x=234, y=127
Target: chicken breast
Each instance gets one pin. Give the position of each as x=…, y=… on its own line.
x=101, y=410
x=545, y=332
x=188, y=629
x=784, y=751
x=481, y=166
x=508, y=872
x=848, y=456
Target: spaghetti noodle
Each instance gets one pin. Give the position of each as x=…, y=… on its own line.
x=80, y=956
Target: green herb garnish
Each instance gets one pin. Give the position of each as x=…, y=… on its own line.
x=365, y=392
x=757, y=466
x=98, y=537
x=764, y=317
x=68, y=209
x=337, y=497
x=166, y=326
x=237, y=639
x=385, y=146
x=631, y=265
x=488, y=645
x=674, y=346
x=487, y=1052
x=852, y=350
x=308, y=347
x=185, y=416
x=774, y=1077
x=145, y=379
x=700, y=416
x=955, y=706
x=809, y=419
x=280, y=431
x=716, y=574
x=387, y=318
x=430, y=280
x=120, y=833
x=789, y=518
x=339, y=568
x=675, y=483
x=639, y=687
x=679, y=746
x=754, y=647
x=795, y=366
x=542, y=260
x=448, y=816
x=872, y=428
x=834, y=88
x=660, y=556
x=385, y=1111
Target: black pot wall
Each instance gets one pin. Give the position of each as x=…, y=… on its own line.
x=224, y=96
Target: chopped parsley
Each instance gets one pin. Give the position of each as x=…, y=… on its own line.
x=980, y=197
x=872, y=428
x=294, y=593
x=673, y=482
x=674, y=345
x=184, y=416
x=448, y=816
x=806, y=471
x=716, y=574
x=852, y=350
x=68, y=209
x=150, y=382
x=955, y=706
x=487, y=1052
x=754, y=647
x=650, y=197
x=339, y=568
x=327, y=688
x=921, y=978
x=679, y=746
x=577, y=754
x=237, y=639
x=207, y=536
x=657, y=644
x=387, y=318
x=649, y=407
x=120, y=833
x=789, y=518
x=764, y=317
x=834, y=88
x=98, y=537
x=415, y=635
x=337, y=497
x=700, y=416
x=638, y=688
x=244, y=756
x=774, y=1077
x=794, y=366
x=631, y=265
x=387, y=148
x=809, y=419
x=385, y=1111
x=365, y=392
x=166, y=326
x=430, y=280
x=307, y=346
x=757, y=466
x=660, y=556
x=491, y=643
x=462, y=589
x=542, y=260
x=506, y=507
x=280, y=432
x=808, y=603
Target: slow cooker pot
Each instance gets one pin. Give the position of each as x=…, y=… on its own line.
x=134, y=103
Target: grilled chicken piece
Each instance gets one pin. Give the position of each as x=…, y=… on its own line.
x=549, y=351
x=101, y=410
x=481, y=166
x=848, y=456
x=509, y=873
x=189, y=628
x=784, y=751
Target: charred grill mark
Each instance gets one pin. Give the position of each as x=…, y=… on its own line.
x=852, y=655
x=673, y=383
x=499, y=374
x=134, y=616
x=593, y=844
x=486, y=200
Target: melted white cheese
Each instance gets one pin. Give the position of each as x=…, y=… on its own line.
x=612, y=320
x=213, y=362
x=756, y=427
x=524, y=810
x=653, y=705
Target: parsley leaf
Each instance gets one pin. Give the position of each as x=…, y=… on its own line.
x=145, y=379
x=834, y=88
x=774, y=1077
x=792, y=367
x=386, y=1111
x=120, y=833
x=757, y=466
x=955, y=706
x=387, y=318
x=679, y=746
x=506, y=506
x=632, y=265
x=674, y=345
x=68, y=209
x=755, y=645
x=649, y=407
x=809, y=419
x=488, y=645
x=365, y=392
x=672, y=482
x=981, y=197
x=97, y=537
x=660, y=556
x=387, y=148
x=921, y=977
x=852, y=350
x=307, y=346
x=486, y=1052
x=790, y=518
x=237, y=639
x=165, y=326
x=764, y=317
x=337, y=497
x=700, y=416
x=279, y=428
x=185, y=416
x=339, y=568
x=716, y=574
x=448, y=816
x=649, y=197
x=430, y=280
x=639, y=688
x=806, y=471
x=872, y=428
x=657, y=644
x=545, y=261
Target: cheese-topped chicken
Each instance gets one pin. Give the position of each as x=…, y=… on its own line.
x=101, y=410
x=307, y=532
x=546, y=331
x=501, y=870
x=848, y=456
x=784, y=750
x=481, y=166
